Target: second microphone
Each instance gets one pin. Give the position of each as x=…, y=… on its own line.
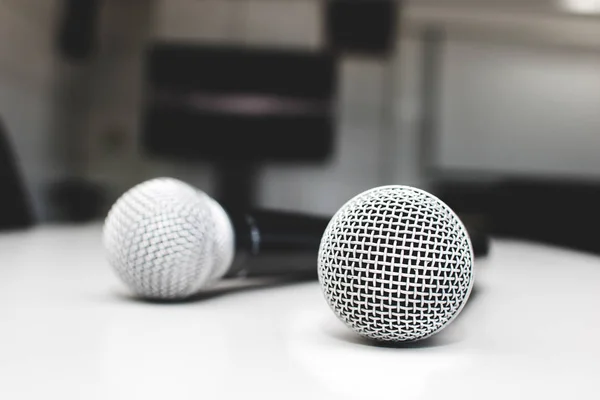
x=168, y=240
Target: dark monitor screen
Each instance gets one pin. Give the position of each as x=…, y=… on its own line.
x=362, y=26
x=238, y=103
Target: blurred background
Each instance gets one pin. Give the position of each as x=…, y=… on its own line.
x=494, y=105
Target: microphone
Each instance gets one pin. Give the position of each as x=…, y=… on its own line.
x=395, y=264
x=168, y=240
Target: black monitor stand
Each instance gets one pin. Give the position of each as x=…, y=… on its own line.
x=236, y=184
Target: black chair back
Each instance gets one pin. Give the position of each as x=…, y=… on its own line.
x=15, y=207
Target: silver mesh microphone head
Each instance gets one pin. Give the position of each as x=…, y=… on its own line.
x=167, y=240
x=396, y=264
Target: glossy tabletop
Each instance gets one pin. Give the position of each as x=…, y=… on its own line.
x=70, y=330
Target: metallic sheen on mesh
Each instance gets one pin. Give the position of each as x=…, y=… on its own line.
x=396, y=264
x=167, y=240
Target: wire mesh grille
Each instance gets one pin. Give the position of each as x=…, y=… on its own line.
x=163, y=241
x=396, y=264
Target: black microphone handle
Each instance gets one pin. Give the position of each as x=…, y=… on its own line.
x=271, y=243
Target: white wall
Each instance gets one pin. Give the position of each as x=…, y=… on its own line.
x=520, y=109
x=259, y=22
x=403, y=154
x=27, y=91
x=520, y=88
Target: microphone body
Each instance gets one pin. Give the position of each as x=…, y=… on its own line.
x=168, y=240
x=270, y=243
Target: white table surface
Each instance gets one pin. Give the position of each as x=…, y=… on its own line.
x=71, y=331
